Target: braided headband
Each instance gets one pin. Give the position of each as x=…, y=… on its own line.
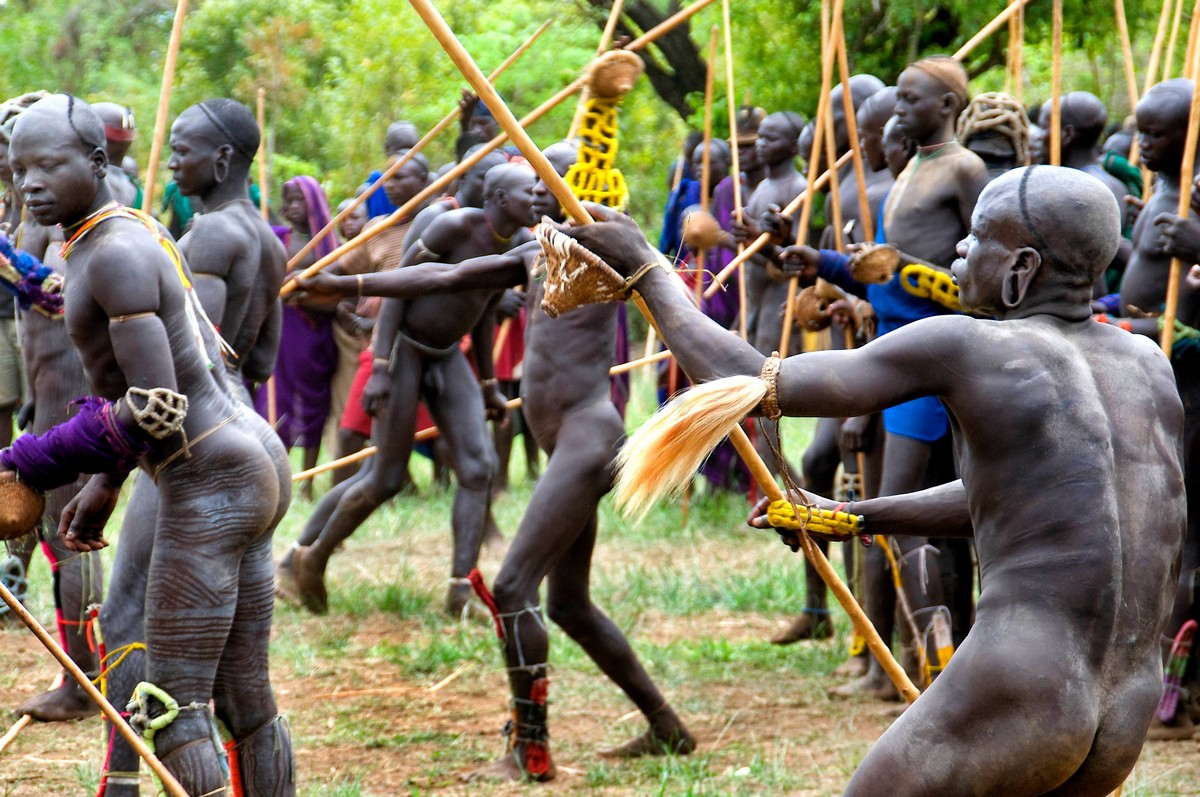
x=217, y=123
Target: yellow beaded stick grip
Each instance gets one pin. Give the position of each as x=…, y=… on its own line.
x=929, y=283
x=594, y=176
x=781, y=514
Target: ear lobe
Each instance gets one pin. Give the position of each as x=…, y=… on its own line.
x=1025, y=266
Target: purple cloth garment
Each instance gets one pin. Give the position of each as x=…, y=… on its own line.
x=724, y=306
x=93, y=441
x=307, y=353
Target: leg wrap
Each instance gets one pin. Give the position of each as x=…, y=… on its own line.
x=485, y=595
x=262, y=761
x=531, y=732
x=1177, y=659
x=12, y=575
x=936, y=642
x=536, y=613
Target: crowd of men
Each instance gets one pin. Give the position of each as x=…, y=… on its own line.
x=994, y=400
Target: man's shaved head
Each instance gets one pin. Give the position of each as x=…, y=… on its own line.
x=1068, y=216
x=1083, y=111
x=878, y=108
x=507, y=175
x=66, y=116
x=1173, y=96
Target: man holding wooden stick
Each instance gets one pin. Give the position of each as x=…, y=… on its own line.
x=1076, y=551
x=153, y=356
x=417, y=356
x=571, y=413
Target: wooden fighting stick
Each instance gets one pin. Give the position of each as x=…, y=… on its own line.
x=989, y=29
x=1186, y=175
x=741, y=442
x=1056, y=85
x=734, y=161
x=408, y=155
x=758, y=243
x=111, y=714
x=164, y=104
x=432, y=432
x=860, y=172
x=610, y=27
x=814, y=161
x=1126, y=53
x=261, y=114
x=1169, y=61
x=439, y=184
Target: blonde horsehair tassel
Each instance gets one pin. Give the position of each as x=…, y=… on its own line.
x=660, y=458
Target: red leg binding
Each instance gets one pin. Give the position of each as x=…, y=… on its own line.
x=235, y=771
x=476, y=579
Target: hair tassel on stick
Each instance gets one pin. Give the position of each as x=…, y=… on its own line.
x=660, y=458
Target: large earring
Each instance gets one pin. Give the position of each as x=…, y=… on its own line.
x=218, y=174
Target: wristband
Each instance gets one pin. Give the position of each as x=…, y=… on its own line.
x=486, y=383
x=381, y=361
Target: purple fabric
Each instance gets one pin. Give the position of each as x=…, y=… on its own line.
x=303, y=373
x=723, y=307
x=91, y=442
x=318, y=211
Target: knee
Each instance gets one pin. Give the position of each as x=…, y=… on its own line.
x=477, y=472
x=513, y=591
x=572, y=616
x=120, y=621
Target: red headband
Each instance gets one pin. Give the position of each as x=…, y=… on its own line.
x=119, y=133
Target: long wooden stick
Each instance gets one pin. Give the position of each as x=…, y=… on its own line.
x=432, y=432
x=860, y=172
x=573, y=206
x=758, y=243
x=164, y=104
x=735, y=161
x=814, y=162
x=989, y=29
x=706, y=159
x=1187, y=171
x=407, y=156
x=1169, y=60
x=1190, y=53
x=1160, y=35
x=6, y=740
x=1018, y=65
x=262, y=153
x=614, y=15
x=1126, y=53
x=135, y=741
x=1056, y=85
x=437, y=185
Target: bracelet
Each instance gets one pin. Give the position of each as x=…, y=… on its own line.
x=378, y=361
x=358, y=282
x=487, y=383
x=770, y=375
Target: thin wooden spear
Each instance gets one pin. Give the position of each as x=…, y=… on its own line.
x=111, y=714
x=164, y=104
x=262, y=153
x=989, y=29
x=734, y=162
x=407, y=156
x=1126, y=53
x=1056, y=85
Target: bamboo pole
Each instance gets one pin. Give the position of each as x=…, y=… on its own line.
x=1160, y=34
x=432, y=432
x=400, y=162
x=1010, y=53
x=860, y=172
x=440, y=183
x=1186, y=174
x=501, y=338
x=1018, y=61
x=7, y=739
x=135, y=741
x=1056, y=85
x=1190, y=54
x=1169, y=61
x=262, y=153
x=814, y=162
x=735, y=162
x=164, y=104
x=758, y=243
x=989, y=29
x=614, y=15
x=706, y=155
x=1126, y=53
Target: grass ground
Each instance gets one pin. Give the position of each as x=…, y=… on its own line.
x=387, y=696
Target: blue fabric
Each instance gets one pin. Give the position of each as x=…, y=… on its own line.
x=378, y=204
x=924, y=418
x=687, y=193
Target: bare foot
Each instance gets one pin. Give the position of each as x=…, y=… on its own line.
x=461, y=603
x=508, y=767
x=286, y=588
x=853, y=667
x=1180, y=730
x=867, y=686
x=806, y=626
x=310, y=582
x=67, y=702
x=651, y=743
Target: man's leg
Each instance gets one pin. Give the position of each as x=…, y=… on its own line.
x=457, y=409
x=363, y=494
x=122, y=624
